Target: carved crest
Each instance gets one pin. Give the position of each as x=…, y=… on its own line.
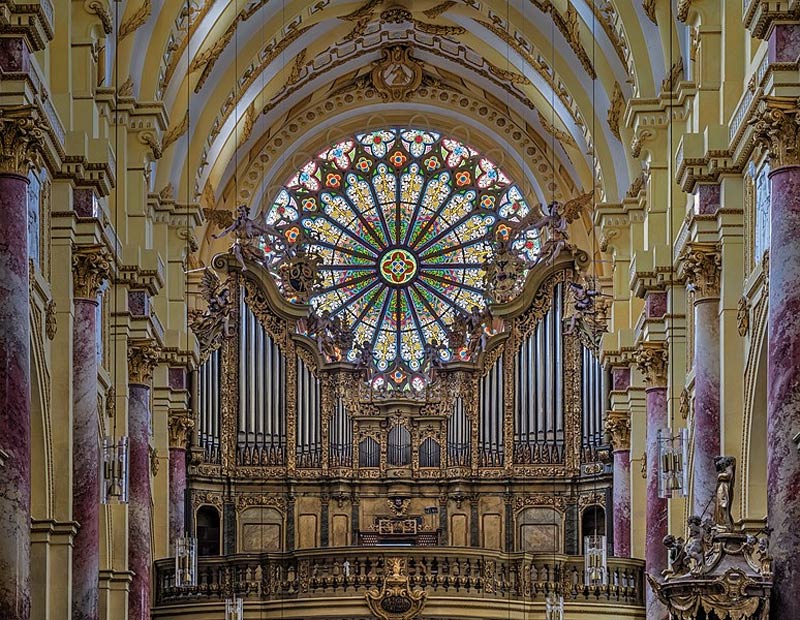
x=396, y=600
x=397, y=75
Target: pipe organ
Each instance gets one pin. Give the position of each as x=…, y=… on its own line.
x=539, y=390
x=341, y=437
x=593, y=394
x=309, y=417
x=209, y=407
x=261, y=438
x=492, y=405
x=459, y=436
x=399, y=446
x=369, y=453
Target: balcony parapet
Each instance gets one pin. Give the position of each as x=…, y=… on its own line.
x=440, y=571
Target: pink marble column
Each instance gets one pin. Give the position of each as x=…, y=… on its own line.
x=783, y=391
x=142, y=358
x=21, y=134
x=652, y=360
x=701, y=264
x=90, y=267
x=15, y=410
x=622, y=503
x=180, y=425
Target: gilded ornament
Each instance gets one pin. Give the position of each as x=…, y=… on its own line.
x=22, y=136
x=397, y=75
x=111, y=403
x=776, y=128
x=743, y=316
x=651, y=359
x=125, y=90
x=91, y=267
x=649, y=7
x=701, y=266
x=50, y=322
x=684, y=404
x=100, y=8
x=436, y=11
x=396, y=600
x=175, y=132
x=618, y=426
x=179, y=428
x=143, y=356
x=615, y=110
x=683, y=10
x=137, y=19
x=154, y=464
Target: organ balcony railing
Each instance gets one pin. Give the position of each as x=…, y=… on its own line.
x=444, y=571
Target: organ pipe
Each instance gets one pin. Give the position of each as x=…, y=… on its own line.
x=209, y=407
x=491, y=400
x=459, y=436
x=309, y=417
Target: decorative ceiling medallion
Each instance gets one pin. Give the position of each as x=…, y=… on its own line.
x=396, y=600
x=397, y=75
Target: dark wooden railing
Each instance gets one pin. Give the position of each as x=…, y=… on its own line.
x=440, y=570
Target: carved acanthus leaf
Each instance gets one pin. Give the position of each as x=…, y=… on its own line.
x=180, y=426
x=142, y=359
x=649, y=7
x=249, y=122
x=615, y=110
x=175, y=132
x=701, y=267
x=91, y=266
x=434, y=12
x=100, y=8
x=22, y=135
x=743, y=316
x=652, y=358
x=125, y=90
x=777, y=128
x=618, y=426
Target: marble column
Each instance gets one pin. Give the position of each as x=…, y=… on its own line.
x=142, y=359
x=179, y=428
x=90, y=268
x=778, y=128
x=701, y=263
x=652, y=361
x=618, y=427
x=21, y=137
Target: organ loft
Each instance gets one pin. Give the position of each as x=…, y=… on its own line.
x=399, y=309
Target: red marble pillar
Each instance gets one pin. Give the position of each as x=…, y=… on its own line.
x=701, y=266
x=619, y=427
x=652, y=360
x=179, y=427
x=21, y=137
x=90, y=267
x=142, y=358
x=778, y=129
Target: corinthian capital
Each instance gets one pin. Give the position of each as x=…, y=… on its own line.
x=618, y=426
x=142, y=359
x=179, y=427
x=91, y=266
x=21, y=139
x=652, y=358
x=702, y=264
x=777, y=128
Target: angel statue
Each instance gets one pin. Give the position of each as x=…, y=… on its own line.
x=433, y=356
x=723, y=497
x=245, y=233
x=587, y=309
x=504, y=270
x=213, y=323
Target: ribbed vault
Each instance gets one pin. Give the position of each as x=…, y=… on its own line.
x=250, y=88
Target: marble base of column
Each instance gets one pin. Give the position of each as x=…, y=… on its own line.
x=655, y=551
x=622, y=503
x=177, y=494
x=706, y=403
x=85, y=464
x=139, y=552
x=783, y=392
x=15, y=408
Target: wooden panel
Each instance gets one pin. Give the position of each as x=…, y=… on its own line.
x=492, y=529
x=307, y=532
x=340, y=531
x=458, y=530
x=261, y=537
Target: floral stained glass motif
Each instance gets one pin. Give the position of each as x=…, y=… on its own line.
x=401, y=219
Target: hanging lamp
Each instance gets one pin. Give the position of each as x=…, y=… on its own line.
x=673, y=463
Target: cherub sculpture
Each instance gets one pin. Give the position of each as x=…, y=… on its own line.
x=587, y=309
x=245, y=233
x=676, y=547
x=433, y=356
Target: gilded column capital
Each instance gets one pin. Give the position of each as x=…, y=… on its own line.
x=702, y=267
x=21, y=139
x=91, y=266
x=618, y=426
x=651, y=359
x=776, y=127
x=180, y=425
x=142, y=360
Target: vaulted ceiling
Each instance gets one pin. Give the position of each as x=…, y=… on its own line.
x=253, y=87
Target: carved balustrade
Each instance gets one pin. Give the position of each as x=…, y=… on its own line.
x=443, y=571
